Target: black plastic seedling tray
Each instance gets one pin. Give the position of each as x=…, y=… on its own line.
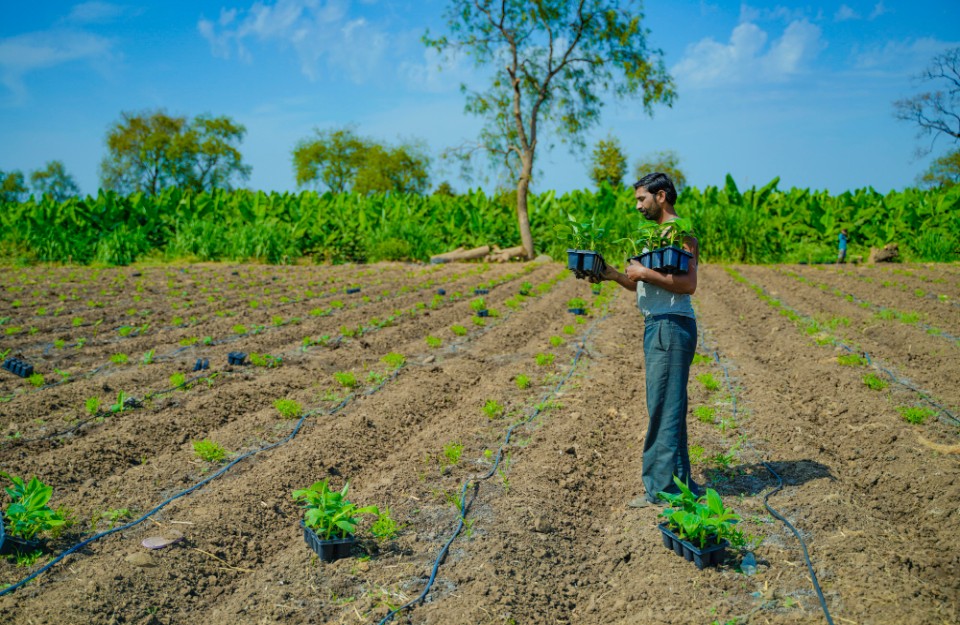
x=18, y=367
x=328, y=550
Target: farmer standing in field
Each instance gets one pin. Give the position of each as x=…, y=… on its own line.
x=669, y=343
x=842, y=247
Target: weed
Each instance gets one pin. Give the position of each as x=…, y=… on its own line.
x=209, y=450
x=452, y=452
x=696, y=454
x=434, y=342
x=915, y=414
x=851, y=360
x=288, y=408
x=544, y=360
x=385, y=527
x=522, y=381
x=346, y=379
x=874, y=382
x=493, y=409
x=709, y=382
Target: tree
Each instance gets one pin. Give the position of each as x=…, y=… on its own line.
x=12, y=186
x=664, y=161
x=554, y=62
x=341, y=161
x=944, y=172
x=150, y=152
x=608, y=162
x=936, y=112
x=54, y=181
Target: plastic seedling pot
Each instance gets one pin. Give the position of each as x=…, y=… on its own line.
x=585, y=263
x=236, y=358
x=11, y=545
x=441, y=291
x=577, y=311
x=481, y=291
x=675, y=260
x=354, y=290
x=483, y=313
x=711, y=555
x=328, y=550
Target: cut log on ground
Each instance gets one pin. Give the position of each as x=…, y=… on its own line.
x=885, y=254
x=461, y=254
x=502, y=256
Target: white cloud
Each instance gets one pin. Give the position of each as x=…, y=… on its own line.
x=878, y=10
x=319, y=32
x=845, y=13
x=772, y=14
x=98, y=12
x=29, y=52
x=747, y=57
x=438, y=72
x=900, y=58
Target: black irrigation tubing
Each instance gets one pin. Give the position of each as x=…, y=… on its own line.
x=874, y=307
x=198, y=485
x=924, y=395
x=228, y=339
x=464, y=506
x=766, y=503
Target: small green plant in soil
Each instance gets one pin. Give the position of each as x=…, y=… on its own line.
x=434, y=342
x=915, y=414
x=458, y=330
x=576, y=302
x=121, y=403
x=288, y=408
x=36, y=379
x=208, y=450
x=701, y=359
x=148, y=357
x=706, y=414
x=28, y=513
x=872, y=381
x=544, y=360
x=522, y=381
x=346, y=379
x=569, y=330
x=385, y=527
x=700, y=520
x=478, y=321
x=851, y=360
x=478, y=304
x=115, y=516
x=394, y=360
x=92, y=405
x=557, y=341
x=493, y=409
x=239, y=329
x=329, y=513
x=696, y=454
x=119, y=359
x=709, y=382
x=452, y=452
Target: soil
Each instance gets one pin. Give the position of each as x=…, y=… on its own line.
x=548, y=536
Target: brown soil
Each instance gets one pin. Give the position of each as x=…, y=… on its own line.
x=549, y=538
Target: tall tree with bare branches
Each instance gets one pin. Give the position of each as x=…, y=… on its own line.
x=936, y=112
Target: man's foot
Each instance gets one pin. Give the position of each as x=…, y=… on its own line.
x=641, y=502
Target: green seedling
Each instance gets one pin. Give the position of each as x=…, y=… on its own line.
x=148, y=357
x=188, y=341
x=706, y=414
x=915, y=414
x=576, y=302
x=125, y=330
x=288, y=408
x=700, y=359
x=557, y=341
x=458, y=330
x=493, y=409
x=394, y=360
x=709, y=382
x=385, y=527
x=346, y=379
x=434, y=342
x=28, y=514
x=522, y=381
x=77, y=322
x=36, y=379
x=872, y=381
x=92, y=405
x=119, y=359
x=478, y=321
x=209, y=451
x=452, y=452
x=239, y=329
x=700, y=520
x=59, y=343
x=851, y=360
x=696, y=454
x=544, y=360
x=329, y=513
x=478, y=304
x=121, y=404
x=115, y=516
x=177, y=380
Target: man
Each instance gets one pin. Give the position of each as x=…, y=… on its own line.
x=842, y=251
x=669, y=343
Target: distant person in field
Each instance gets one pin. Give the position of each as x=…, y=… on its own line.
x=669, y=343
x=842, y=247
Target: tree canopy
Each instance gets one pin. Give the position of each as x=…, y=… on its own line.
x=12, y=186
x=664, y=161
x=936, y=112
x=943, y=171
x=553, y=63
x=341, y=160
x=608, y=163
x=53, y=180
x=148, y=152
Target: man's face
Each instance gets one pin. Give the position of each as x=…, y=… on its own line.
x=648, y=204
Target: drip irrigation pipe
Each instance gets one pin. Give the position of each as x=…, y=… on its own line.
x=766, y=503
x=464, y=506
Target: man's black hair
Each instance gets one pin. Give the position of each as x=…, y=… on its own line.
x=657, y=182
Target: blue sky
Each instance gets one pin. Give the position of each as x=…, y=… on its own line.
x=803, y=91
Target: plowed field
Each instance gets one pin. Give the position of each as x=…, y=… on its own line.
x=548, y=537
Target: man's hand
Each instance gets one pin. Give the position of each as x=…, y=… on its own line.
x=635, y=271
x=608, y=273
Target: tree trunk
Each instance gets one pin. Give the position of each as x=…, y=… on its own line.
x=523, y=187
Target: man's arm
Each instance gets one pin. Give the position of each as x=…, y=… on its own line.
x=609, y=273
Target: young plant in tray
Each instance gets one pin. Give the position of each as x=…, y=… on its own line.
x=699, y=528
x=584, y=238
x=328, y=512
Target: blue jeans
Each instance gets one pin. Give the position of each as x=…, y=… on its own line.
x=669, y=343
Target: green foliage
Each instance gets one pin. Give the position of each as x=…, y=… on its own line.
x=666, y=162
x=329, y=513
x=208, y=450
x=119, y=358
x=944, y=171
x=701, y=359
x=851, y=360
x=54, y=181
x=452, y=452
x=493, y=409
x=700, y=520
x=522, y=381
x=709, y=382
x=346, y=379
x=385, y=527
x=288, y=408
x=433, y=342
x=544, y=360
x=394, y=360
x=28, y=514
x=569, y=330
x=92, y=405
x=872, y=381
x=36, y=379
x=458, y=330
x=706, y=414
x=915, y=414
x=177, y=380
x=608, y=163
